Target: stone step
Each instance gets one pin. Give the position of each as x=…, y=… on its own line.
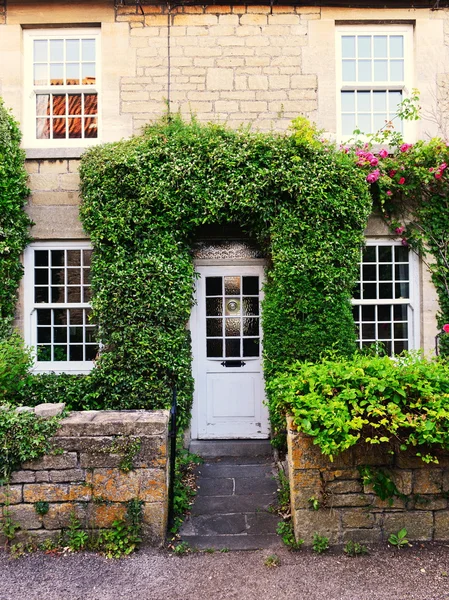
x=236, y=448
x=233, y=542
x=261, y=523
x=211, y=505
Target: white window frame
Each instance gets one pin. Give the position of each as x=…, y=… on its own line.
x=406, y=30
x=413, y=302
x=30, y=90
x=30, y=309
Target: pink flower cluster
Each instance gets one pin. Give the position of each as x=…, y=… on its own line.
x=405, y=147
x=446, y=328
x=439, y=171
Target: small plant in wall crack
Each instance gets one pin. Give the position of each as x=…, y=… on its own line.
x=127, y=448
x=320, y=543
x=285, y=530
x=399, y=539
x=354, y=549
x=41, y=507
x=75, y=538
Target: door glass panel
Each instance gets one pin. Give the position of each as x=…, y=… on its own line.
x=214, y=348
x=214, y=327
x=214, y=307
x=232, y=327
x=214, y=286
x=231, y=297
x=232, y=286
x=233, y=347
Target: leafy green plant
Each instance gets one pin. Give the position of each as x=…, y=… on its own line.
x=120, y=540
x=383, y=485
x=75, y=537
x=15, y=362
x=14, y=222
x=314, y=503
x=23, y=436
x=41, y=507
x=354, y=549
x=8, y=526
x=184, y=488
x=182, y=548
x=320, y=543
x=283, y=493
x=372, y=399
x=127, y=448
x=302, y=200
x=285, y=530
x=399, y=539
x=272, y=561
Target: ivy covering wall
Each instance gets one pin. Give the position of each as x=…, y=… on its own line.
x=143, y=199
x=14, y=222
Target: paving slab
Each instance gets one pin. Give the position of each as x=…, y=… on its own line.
x=233, y=502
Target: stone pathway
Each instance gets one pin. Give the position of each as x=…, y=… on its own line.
x=231, y=509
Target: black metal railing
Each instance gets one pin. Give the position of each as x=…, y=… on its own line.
x=172, y=435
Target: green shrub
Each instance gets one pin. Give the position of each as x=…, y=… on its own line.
x=23, y=436
x=402, y=402
x=74, y=390
x=15, y=362
x=143, y=199
x=14, y=222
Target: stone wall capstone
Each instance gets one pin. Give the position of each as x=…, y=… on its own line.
x=349, y=509
x=85, y=475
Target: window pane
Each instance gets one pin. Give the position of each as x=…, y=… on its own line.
x=251, y=286
x=88, y=50
x=59, y=128
x=402, y=290
x=42, y=104
x=90, y=128
x=56, y=74
x=380, y=101
x=379, y=121
x=40, y=48
x=364, y=123
x=384, y=331
x=385, y=272
x=73, y=73
x=363, y=101
x=394, y=99
x=251, y=326
x=214, y=327
x=369, y=291
x=348, y=46
x=380, y=70
x=397, y=70
x=368, y=313
x=232, y=347
x=348, y=70
x=43, y=335
x=232, y=327
x=90, y=104
x=42, y=129
x=364, y=70
x=401, y=254
x=40, y=74
x=88, y=73
x=72, y=50
x=369, y=273
x=251, y=347
x=43, y=316
x=348, y=124
x=385, y=254
x=368, y=332
x=400, y=312
x=214, y=307
x=369, y=254
x=60, y=316
x=57, y=50
x=380, y=46
x=76, y=353
x=348, y=101
x=232, y=285
x=75, y=128
x=57, y=294
x=364, y=46
x=385, y=290
x=384, y=312
x=59, y=104
x=214, y=286
x=401, y=330
x=401, y=272
x=41, y=276
x=396, y=46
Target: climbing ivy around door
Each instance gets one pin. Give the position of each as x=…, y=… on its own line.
x=226, y=331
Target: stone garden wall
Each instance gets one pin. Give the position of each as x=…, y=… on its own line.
x=88, y=474
x=350, y=510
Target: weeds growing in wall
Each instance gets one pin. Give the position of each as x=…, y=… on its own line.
x=143, y=199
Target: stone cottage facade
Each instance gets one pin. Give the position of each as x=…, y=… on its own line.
x=81, y=73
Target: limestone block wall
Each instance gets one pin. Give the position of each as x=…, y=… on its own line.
x=349, y=510
x=85, y=475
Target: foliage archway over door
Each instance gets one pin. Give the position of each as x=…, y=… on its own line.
x=307, y=205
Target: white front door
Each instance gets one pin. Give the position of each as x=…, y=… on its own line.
x=226, y=335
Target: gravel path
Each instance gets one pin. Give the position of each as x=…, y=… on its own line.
x=418, y=573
